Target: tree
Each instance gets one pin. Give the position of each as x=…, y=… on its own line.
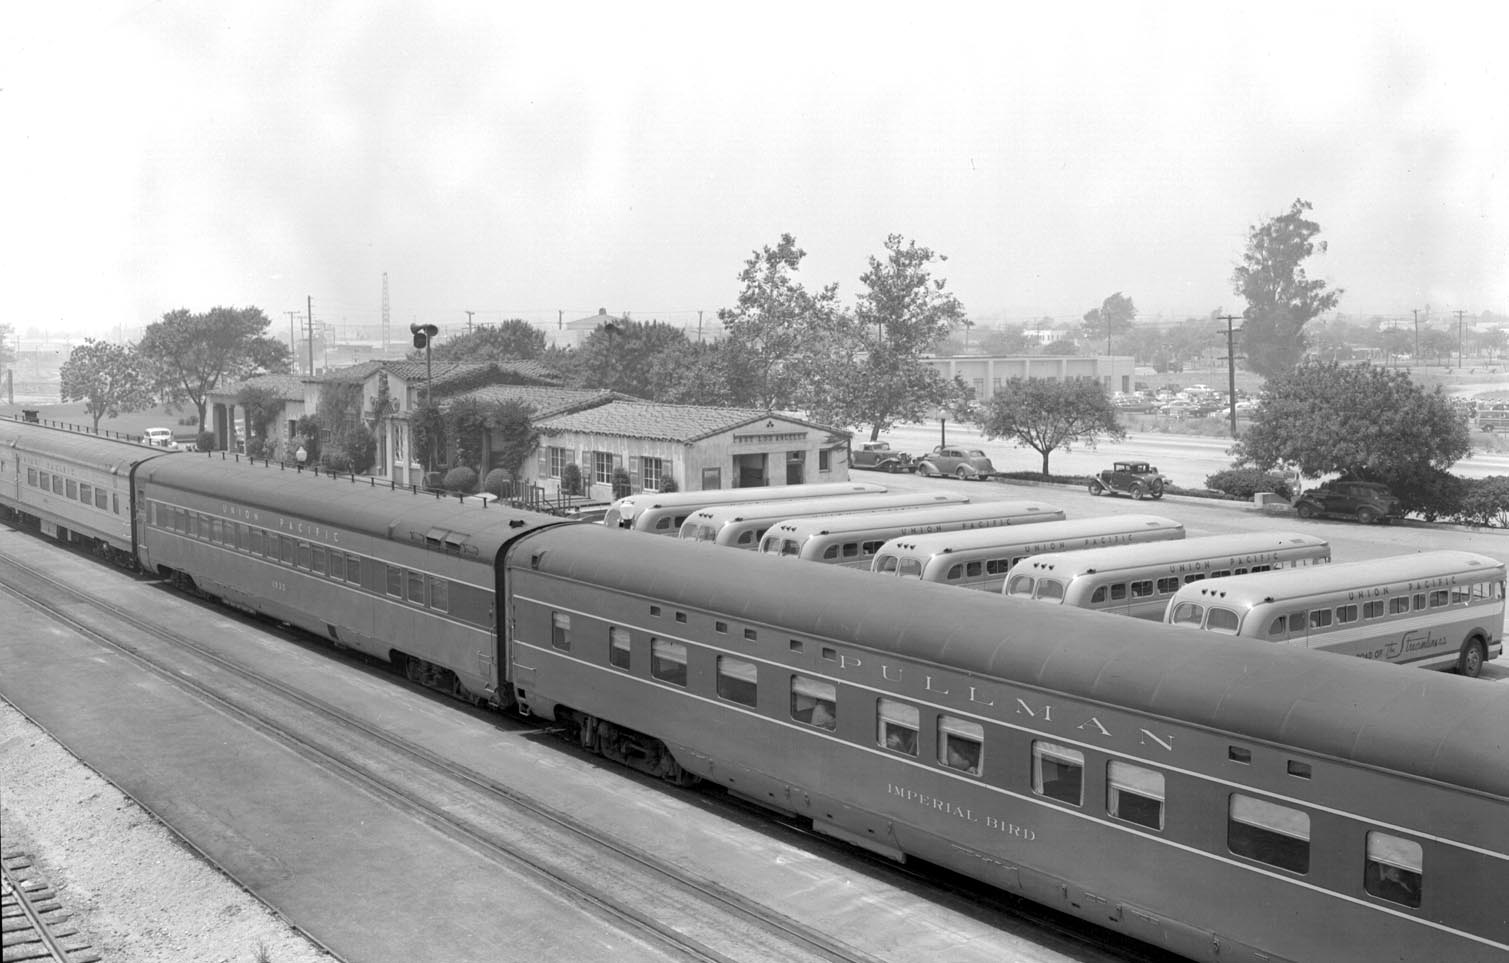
x=109, y=378
x=777, y=329
x=1048, y=415
x=513, y=422
x=7, y=352
x=191, y=354
x=621, y=356
x=513, y=340
x=1281, y=299
x=902, y=314
x=1114, y=317
x=1369, y=422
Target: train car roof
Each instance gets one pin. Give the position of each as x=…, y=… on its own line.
x=933, y=543
x=113, y=455
x=1297, y=583
x=1432, y=724
x=351, y=504
x=1087, y=560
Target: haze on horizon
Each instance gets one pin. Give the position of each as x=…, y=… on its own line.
x=544, y=164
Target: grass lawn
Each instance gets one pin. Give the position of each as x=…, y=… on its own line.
x=131, y=425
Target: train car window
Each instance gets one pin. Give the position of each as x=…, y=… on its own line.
x=416, y=594
x=440, y=594
x=1220, y=619
x=46, y=481
x=101, y=499
x=1058, y=772
x=668, y=661
x=317, y=561
x=257, y=540
x=1346, y=613
x=1020, y=586
x=681, y=617
x=286, y=549
x=337, y=565
x=814, y=702
x=86, y=493
x=1394, y=869
x=31, y=477
x=795, y=645
x=1373, y=609
x=961, y=744
x=1238, y=754
x=560, y=631
x=618, y=647
x=897, y=725
x=738, y=680
x=750, y=635
x=1398, y=605
x=72, y=487
x=395, y=582
x=57, y=484
x=1268, y=832
x=1169, y=585
x=353, y=569
x=655, y=611
x=116, y=502
x=306, y=556
x=1298, y=769
x=1134, y=793
x=830, y=654
x=720, y=627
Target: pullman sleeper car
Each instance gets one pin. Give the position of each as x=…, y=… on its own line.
x=72, y=485
x=1225, y=802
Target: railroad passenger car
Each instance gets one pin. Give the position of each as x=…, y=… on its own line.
x=73, y=485
x=853, y=540
x=1226, y=803
x=743, y=525
x=401, y=576
x=980, y=558
x=1139, y=580
x=663, y=512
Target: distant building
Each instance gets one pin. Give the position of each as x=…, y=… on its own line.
x=986, y=375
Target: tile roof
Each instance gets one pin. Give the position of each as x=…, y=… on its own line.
x=284, y=386
x=544, y=399
x=683, y=423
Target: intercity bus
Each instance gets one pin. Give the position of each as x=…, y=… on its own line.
x=742, y=526
x=663, y=513
x=1138, y=580
x=1434, y=610
x=853, y=540
x=981, y=557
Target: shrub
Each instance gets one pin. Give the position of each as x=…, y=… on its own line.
x=1427, y=492
x=622, y=486
x=256, y=448
x=205, y=441
x=668, y=484
x=460, y=479
x=336, y=460
x=1485, y=502
x=1243, y=483
x=571, y=479
x=499, y=483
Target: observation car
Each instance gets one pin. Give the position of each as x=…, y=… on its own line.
x=979, y=558
x=1139, y=580
x=663, y=512
x=743, y=525
x=1433, y=610
x=853, y=540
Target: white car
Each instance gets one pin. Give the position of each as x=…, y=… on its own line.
x=159, y=438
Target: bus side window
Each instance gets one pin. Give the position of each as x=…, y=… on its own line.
x=1100, y=594
x=955, y=572
x=1221, y=620
x=910, y=568
x=1144, y=588
x=973, y=569
x=1119, y=592
x=1020, y=585
x=1439, y=598
x=1419, y=602
x=1188, y=613
x=1320, y=618
x=1298, y=622
x=1277, y=628
x=1373, y=609
x=1398, y=605
x=1194, y=577
x=1167, y=586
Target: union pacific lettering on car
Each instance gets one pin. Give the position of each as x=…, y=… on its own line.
x=1222, y=801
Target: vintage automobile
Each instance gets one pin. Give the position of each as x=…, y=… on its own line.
x=160, y=438
x=970, y=464
x=879, y=456
x=1368, y=502
x=1135, y=478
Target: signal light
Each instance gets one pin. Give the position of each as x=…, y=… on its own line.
x=423, y=333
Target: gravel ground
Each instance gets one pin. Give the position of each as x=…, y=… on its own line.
x=128, y=882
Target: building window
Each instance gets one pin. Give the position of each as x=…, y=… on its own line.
x=651, y=471
x=602, y=467
x=824, y=460
x=559, y=459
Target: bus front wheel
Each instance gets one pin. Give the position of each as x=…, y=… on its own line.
x=1470, y=662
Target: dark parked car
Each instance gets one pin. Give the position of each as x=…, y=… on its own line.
x=1135, y=478
x=1368, y=502
x=967, y=463
x=878, y=456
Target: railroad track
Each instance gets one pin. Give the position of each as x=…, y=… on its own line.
x=651, y=897
x=36, y=927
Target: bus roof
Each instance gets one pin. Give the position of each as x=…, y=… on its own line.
x=625, y=509
x=1114, y=558
x=1402, y=573
x=930, y=544
x=1018, y=511
x=776, y=511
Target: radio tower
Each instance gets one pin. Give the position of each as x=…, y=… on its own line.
x=385, y=313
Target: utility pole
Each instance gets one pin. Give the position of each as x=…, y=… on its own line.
x=1461, y=336
x=699, y=327
x=1417, y=334
x=309, y=300
x=469, y=321
x=1231, y=369
x=293, y=338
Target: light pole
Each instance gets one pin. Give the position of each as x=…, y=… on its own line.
x=423, y=335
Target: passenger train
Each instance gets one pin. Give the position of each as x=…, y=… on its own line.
x=1225, y=802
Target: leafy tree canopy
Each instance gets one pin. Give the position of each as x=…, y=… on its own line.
x=109, y=378
x=1050, y=415
x=1281, y=299
x=513, y=340
x=1375, y=423
x=520, y=439
x=191, y=354
x=621, y=356
x=7, y=350
x=1114, y=317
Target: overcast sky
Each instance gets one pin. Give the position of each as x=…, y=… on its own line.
x=520, y=163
